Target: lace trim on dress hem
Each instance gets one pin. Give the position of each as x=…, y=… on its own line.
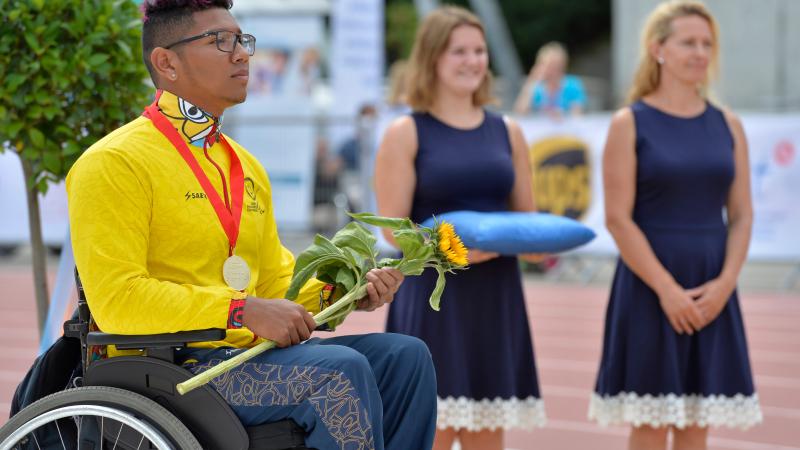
x=503, y=413
x=739, y=411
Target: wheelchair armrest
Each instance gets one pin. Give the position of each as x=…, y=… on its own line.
x=179, y=339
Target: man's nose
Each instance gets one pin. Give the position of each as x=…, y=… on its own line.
x=240, y=54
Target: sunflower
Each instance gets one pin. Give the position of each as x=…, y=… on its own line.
x=450, y=244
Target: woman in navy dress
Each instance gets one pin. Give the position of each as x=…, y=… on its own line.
x=677, y=198
x=451, y=154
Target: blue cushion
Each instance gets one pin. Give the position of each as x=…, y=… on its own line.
x=510, y=233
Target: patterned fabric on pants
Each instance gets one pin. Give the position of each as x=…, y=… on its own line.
x=370, y=391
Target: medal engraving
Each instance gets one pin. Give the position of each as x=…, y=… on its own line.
x=236, y=272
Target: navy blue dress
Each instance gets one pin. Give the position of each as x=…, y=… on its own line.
x=480, y=339
x=649, y=374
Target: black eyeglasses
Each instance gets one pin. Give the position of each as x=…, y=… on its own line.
x=226, y=41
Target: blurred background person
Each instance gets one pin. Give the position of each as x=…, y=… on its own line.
x=452, y=154
x=396, y=96
x=677, y=199
x=328, y=169
x=352, y=149
x=310, y=70
x=548, y=89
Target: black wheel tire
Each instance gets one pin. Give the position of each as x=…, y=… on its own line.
x=141, y=407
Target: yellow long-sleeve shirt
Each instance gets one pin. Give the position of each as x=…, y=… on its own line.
x=148, y=245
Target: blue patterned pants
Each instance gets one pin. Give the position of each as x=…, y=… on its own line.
x=373, y=391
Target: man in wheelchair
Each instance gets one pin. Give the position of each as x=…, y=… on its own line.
x=173, y=230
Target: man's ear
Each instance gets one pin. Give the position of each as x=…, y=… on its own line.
x=166, y=63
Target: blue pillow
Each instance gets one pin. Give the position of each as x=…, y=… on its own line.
x=510, y=233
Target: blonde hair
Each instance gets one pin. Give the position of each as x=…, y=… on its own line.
x=398, y=72
x=431, y=41
x=551, y=47
x=657, y=29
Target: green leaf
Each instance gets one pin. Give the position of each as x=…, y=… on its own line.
x=126, y=49
x=424, y=253
x=389, y=262
x=88, y=82
x=97, y=59
x=41, y=186
x=14, y=128
x=383, y=222
x=409, y=241
x=14, y=80
x=328, y=272
x=71, y=148
x=356, y=237
x=320, y=253
x=37, y=138
x=345, y=278
x=436, y=295
x=412, y=266
x=355, y=261
x=51, y=162
x=32, y=43
x=135, y=23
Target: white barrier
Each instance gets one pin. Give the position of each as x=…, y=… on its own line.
x=774, y=141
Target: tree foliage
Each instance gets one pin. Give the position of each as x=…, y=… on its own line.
x=532, y=23
x=72, y=72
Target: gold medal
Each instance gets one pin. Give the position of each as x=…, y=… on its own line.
x=236, y=272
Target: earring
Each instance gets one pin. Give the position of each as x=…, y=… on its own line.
x=660, y=60
x=173, y=76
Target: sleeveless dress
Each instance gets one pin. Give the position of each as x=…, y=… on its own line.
x=480, y=339
x=649, y=374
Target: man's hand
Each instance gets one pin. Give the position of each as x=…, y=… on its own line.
x=283, y=321
x=381, y=287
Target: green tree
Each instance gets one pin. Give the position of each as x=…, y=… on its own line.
x=576, y=23
x=71, y=72
x=401, y=25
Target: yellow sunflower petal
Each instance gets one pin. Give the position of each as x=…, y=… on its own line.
x=457, y=253
x=445, y=232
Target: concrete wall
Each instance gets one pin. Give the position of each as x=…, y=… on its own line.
x=760, y=50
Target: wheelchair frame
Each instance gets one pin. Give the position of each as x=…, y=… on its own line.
x=203, y=412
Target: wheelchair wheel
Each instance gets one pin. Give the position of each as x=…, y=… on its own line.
x=96, y=417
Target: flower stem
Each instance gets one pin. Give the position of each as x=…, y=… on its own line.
x=330, y=312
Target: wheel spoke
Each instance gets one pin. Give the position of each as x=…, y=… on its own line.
x=118, y=433
x=62, y=408
x=60, y=436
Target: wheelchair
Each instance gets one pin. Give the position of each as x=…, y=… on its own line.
x=130, y=402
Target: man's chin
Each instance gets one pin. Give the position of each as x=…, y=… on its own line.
x=237, y=98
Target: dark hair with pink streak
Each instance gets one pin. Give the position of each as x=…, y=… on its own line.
x=166, y=21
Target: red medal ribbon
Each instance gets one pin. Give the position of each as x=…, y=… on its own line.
x=229, y=217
